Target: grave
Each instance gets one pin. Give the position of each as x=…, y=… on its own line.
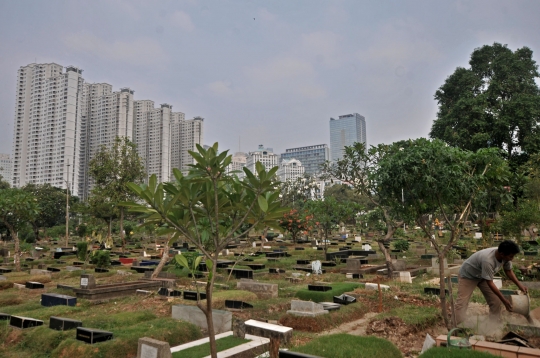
x=39, y=272
x=90, y=291
x=100, y=270
x=63, y=324
x=192, y=295
x=34, y=285
x=303, y=262
x=24, y=322
x=255, y=267
x=262, y=290
x=152, y=348
x=255, y=347
x=403, y=276
x=320, y=288
x=344, y=299
x=306, y=308
x=55, y=299
x=328, y=263
x=72, y=268
x=222, y=319
x=374, y=286
x=5, y=317
x=91, y=335
x=272, y=270
x=142, y=269
x=167, y=292
x=239, y=305
x=241, y=273
x=268, y=330
x=354, y=264
x=64, y=287
x=53, y=269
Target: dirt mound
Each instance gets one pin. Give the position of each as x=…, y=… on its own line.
x=391, y=326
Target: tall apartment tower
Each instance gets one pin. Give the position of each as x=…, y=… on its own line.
x=345, y=131
x=46, y=145
x=6, y=168
x=186, y=134
x=265, y=156
x=105, y=116
x=312, y=157
x=152, y=135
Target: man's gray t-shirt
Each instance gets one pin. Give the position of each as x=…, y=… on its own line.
x=483, y=265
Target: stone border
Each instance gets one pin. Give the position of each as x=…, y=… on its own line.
x=257, y=343
x=497, y=349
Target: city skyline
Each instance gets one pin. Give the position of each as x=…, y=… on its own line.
x=278, y=75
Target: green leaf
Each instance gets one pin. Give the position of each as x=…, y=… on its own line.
x=182, y=261
x=263, y=204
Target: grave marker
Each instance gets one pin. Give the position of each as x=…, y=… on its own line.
x=306, y=308
x=152, y=348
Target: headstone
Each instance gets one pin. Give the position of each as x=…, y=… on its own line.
x=222, y=319
x=55, y=299
x=366, y=247
x=269, y=330
x=374, y=286
x=39, y=272
x=91, y=335
x=314, y=243
x=399, y=265
x=306, y=308
x=88, y=281
x=5, y=317
x=63, y=324
x=477, y=235
x=239, y=328
x=316, y=267
x=152, y=348
x=404, y=276
x=24, y=322
x=34, y=285
x=435, y=263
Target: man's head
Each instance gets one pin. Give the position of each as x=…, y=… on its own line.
x=507, y=249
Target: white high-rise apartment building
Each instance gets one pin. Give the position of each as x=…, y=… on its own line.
x=105, y=116
x=47, y=129
x=186, y=134
x=6, y=167
x=153, y=137
x=290, y=169
x=265, y=156
x=239, y=161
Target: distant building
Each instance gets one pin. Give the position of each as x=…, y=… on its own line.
x=46, y=145
x=290, y=169
x=312, y=157
x=6, y=166
x=239, y=161
x=345, y=131
x=265, y=156
x=186, y=134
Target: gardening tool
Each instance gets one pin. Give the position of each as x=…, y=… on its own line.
x=461, y=343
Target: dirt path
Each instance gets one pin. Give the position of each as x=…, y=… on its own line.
x=355, y=328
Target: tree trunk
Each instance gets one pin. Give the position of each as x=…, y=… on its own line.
x=17, y=253
x=208, y=311
x=109, y=230
x=162, y=262
x=122, y=236
x=36, y=232
x=386, y=253
x=442, y=286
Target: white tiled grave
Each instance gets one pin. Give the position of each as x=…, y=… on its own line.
x=255, y=341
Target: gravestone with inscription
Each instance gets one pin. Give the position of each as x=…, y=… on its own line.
x=88, y=281
x=152, y=348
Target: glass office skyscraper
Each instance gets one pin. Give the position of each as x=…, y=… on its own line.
x=312, y=157
x=345, y=131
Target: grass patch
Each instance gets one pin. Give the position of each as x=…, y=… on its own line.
x=443, y=352
x=326, y=321
x=418, y=316
x=347, y=346
x=10, y=299
x=316, y=296
x=203, y=350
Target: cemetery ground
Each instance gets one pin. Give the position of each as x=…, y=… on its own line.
x=399, y=316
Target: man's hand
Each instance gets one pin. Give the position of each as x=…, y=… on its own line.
x=508, y=305
x=524, y=289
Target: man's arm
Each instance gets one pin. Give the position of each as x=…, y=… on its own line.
x=512, y=276
x=496, y=291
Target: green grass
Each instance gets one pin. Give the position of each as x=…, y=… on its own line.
x=421, y=317
x=203, y=350
x=347, y=346
x=443, y=352
x=316, y=296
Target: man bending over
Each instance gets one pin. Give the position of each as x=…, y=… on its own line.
x=478, y=271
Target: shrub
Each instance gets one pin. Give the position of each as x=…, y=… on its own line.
x=101, y=258
x=401, y=245
x=82, y=250
x=348, y=346
x=81, y=230
x=328, y=296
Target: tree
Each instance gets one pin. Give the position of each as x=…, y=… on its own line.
x=494, y=103
x=297, y=192
x=327, y=214
x=101, y=207
x=52, y=206
x=437, y=179
x=17, y=208
x=344, y=192
x=296, y=222
x=207, y=207
x=359, y=168
x=112, y=169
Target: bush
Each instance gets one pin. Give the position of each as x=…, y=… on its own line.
x=56, y=231
x=348, y=346
x=401, y=245
x=82, y=250
x=328, y=296
x=82, y=230
x=101, y=258
x=443, y=352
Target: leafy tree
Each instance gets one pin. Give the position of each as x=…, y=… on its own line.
x=17, y=208
x=102, y=208
x=52, y=206
x=437, y=179
x=327, y=214
x=3, y=184
x=296, y=222
x=360, y=169
x=344, y=192
x=112, y=169
x=207, y=207
x=494, y=103
x=296, y=193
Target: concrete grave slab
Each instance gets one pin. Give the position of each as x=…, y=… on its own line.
x=269, y=330
x=262, y=290
x=152, y=348
x=306, y=308
x=222, y=319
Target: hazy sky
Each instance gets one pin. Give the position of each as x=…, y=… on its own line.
x=269, y=72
